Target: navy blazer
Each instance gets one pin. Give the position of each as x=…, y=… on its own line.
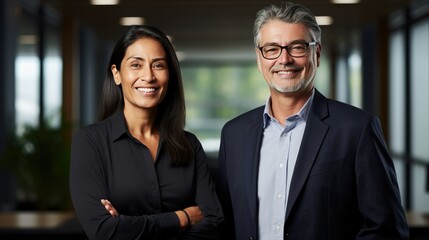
x=344, y=183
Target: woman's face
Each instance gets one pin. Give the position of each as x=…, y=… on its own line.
x=143, y=74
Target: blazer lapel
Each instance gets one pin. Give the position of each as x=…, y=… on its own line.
x=251, y=154
x=314, y=135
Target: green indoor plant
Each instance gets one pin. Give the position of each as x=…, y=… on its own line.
x=39, y=158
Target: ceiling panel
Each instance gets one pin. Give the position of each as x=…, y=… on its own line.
x=218, y=25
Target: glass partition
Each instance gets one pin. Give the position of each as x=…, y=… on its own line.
x=419, y=76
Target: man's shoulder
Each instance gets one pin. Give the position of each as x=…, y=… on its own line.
x=337, y=108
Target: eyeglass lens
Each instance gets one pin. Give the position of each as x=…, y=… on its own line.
x=274, y=51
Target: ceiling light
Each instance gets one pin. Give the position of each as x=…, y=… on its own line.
x=104, y=2
x=128, y=21
x=345, y=1
x=324, y=20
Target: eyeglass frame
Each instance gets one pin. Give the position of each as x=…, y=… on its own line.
x=307, y=45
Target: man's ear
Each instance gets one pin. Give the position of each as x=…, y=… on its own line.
x=318, y=52
x=258, y=60
x=116, y=75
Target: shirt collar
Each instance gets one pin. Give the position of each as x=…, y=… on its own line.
x=302, y=113
x=118, y=125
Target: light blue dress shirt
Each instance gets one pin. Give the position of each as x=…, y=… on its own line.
x=279, y=151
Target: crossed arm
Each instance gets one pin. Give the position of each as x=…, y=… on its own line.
x=187, y=217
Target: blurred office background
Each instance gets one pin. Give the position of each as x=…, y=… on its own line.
x=54, y=55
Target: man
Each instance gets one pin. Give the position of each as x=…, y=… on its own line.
x=304, y=166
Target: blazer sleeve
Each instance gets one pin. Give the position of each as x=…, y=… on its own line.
x=88, y=186
x=377, y=188
x=227, y=227
x=206, y=198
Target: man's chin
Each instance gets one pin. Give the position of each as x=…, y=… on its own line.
x=286, y=89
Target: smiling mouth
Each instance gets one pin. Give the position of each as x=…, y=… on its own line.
x=146, y=90
x=288, y=71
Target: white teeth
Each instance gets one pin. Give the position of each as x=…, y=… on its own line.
x=285, y=72
x=146, y=90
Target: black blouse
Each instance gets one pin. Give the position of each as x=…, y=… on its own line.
x=108, y=163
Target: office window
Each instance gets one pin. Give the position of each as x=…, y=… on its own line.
x=341, y=81
x=397, y=116
x=52, y=68
x=419, y=89
x=397, y=92
x=322, y=82
x=355, y=78
x=419, y=74
x=27, y=72
x=28, y=94
x=217, y=93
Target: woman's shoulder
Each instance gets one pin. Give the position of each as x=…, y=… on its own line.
x=191, y=137
x=94, y=130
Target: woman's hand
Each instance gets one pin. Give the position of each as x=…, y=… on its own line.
x=195, y=214
x=109, y=207
x=189, y=216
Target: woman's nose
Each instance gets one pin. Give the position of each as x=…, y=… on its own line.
x=147, y=74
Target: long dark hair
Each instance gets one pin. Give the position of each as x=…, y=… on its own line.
x=171, y=112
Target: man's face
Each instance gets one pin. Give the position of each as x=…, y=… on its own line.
x=287, y=74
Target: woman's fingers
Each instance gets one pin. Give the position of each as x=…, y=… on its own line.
x=109, y=207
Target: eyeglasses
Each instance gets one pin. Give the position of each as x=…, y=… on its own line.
x=298, y=49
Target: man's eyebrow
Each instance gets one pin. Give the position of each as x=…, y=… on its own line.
x=291, y=42
x=271, y=44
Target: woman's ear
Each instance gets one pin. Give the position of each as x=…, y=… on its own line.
x=116, y=75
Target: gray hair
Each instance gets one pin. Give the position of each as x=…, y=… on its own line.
x=290, y=13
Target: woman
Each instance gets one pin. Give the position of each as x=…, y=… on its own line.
x=137, y=174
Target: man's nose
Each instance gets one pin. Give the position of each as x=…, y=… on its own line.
x=285, y=57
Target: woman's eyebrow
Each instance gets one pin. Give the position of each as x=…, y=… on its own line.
x=135, y=57
x=142, y=59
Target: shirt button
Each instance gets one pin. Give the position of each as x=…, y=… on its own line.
x=279, y=195
x=277, y=228
x=281, y=165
